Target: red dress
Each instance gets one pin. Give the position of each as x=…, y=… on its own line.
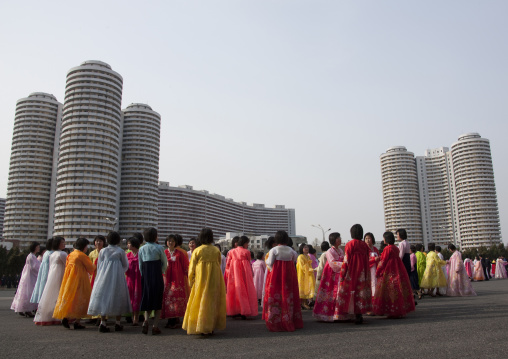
x=394, y=296
x=241, y=297
x=326, y=307
x=176, y=285
x=355, y=294
x=133, y=277
x=281, y=303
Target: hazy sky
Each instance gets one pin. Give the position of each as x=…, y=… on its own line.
x=279, y=102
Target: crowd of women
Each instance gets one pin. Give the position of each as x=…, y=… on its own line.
x=203, y=286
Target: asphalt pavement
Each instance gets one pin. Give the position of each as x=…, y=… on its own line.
x=441, y=327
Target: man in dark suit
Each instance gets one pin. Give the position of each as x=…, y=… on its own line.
x=483, y=260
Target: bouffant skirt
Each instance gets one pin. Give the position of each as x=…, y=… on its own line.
x=153, y=286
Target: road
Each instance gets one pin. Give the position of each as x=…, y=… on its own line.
x=442, y=327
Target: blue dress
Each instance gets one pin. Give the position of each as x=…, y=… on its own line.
x=42, y=277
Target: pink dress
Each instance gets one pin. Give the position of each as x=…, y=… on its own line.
x=21, y=302
x=133, y=277
x=459, y=284
x=241, y=297
x=469, y=267
x=315, y=263
x=259, y=268
x=326, y=307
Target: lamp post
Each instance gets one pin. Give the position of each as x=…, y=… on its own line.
x=322, y=230
x=112, y=221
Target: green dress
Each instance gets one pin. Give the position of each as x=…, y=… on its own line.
x=421, y=262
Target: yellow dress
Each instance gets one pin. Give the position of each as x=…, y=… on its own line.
x=306, y=279
x=434, y=276
x=75, y=289
x=206, y=308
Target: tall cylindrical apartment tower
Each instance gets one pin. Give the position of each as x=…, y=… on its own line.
x=29, y=188
x=90, y=146
x=140, y=169
x=400, y=193
x=475, y=191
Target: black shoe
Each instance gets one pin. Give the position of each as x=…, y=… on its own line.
x=128, y=320
x=118, y=328
x=78, y=326
x=359, y=319
x=92, y=321
x=65, y=323
x=103, y=329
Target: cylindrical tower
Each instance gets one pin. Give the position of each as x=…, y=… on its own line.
x=90, y=145
x=475, y=191
x=400, y=193
x=140, y=169
x=33, y=146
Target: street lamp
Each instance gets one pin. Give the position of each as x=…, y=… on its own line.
x=322, y=230
x=112, y=221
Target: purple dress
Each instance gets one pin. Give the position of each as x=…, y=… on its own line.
x=21, y=302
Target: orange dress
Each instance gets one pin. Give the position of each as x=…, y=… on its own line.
x=75, y=289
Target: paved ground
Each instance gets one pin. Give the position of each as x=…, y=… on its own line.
x=471, y=327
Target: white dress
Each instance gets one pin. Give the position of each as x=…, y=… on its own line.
x=110, y=295
x=44, y=315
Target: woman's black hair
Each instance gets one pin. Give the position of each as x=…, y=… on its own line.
x=49, y=244
x=81, y=243
x=325, y=246
x=179, y=240
x=438, y=248
x=270, y=242
x=290, y=242
x=243, y=240
x=332, y=238
x=134, y=242
x=234, y=241
x=302, y=246
x=419, y=247
x=33, y=246
x=101, y=238
x=205, y=236
x=413, y=248
x=431, y=246
x=402, y=233
x=260, y=255
x=311, y=249
x=452, y=247
x=389, y=237
x=170, y=237
x=114, y=238
x=150, y=235
x=56, y=242
x=356, y=231
x=139, y=236
x=218, y=246
x=281, y=237
x=371, y=236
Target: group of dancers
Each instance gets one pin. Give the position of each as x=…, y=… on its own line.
x=203, y=286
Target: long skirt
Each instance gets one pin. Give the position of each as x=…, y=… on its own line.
x=326, y=299
x=413, y=278
x=281, y=307
x=153, y=286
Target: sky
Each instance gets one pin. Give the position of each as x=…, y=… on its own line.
x=279, y=102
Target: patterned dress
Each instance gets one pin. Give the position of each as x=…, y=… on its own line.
x=176, y=285
x=133, y=276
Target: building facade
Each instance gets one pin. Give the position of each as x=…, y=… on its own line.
x=186, y=211
x=456, y=193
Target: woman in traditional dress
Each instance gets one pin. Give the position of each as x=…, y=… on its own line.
x=176, y=284
x=355, y=293
x=306, y=279
x=326, y=307
x=44, y=315
x=478, y=270
x=315, y=262
x=468, y=265
x=500, y=269
x=433, y=277
x=110, y=295
x=281, y=303
x=21, y=303
x=459, y=284
x=241, y=297
x=42, y=276
x=234, y=244
x=269, y=244
x=259, y=269
x=100, y=243
x=394, y=295
x=373, y=259
x=413, y=275
x=152, y=264
x=421, y=262
x=75, y=290
x=206, y=308
x=133, y=277
x=192, y=247
x=325, y=246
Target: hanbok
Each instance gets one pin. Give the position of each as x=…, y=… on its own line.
x=133, y=277
x=493, y=269
x=468, y=265
x=433, y=276
x=421, y=263
x=373, y=255
x=44, y=315
x=306, y=278
x=459, y=284
x=75, y=290
x=315, y=264
x=110, y=295
x=176, y=285
x=355, y=293
x=394, y=295
x=26, y=285
x=413, y=275
x=326, y=306
x=500, y=269
x=206, y=308
x=259, y=269
x=152, y=264
x=478, y=271
x=42, y=277
x=281, y=303
x=241, y=297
